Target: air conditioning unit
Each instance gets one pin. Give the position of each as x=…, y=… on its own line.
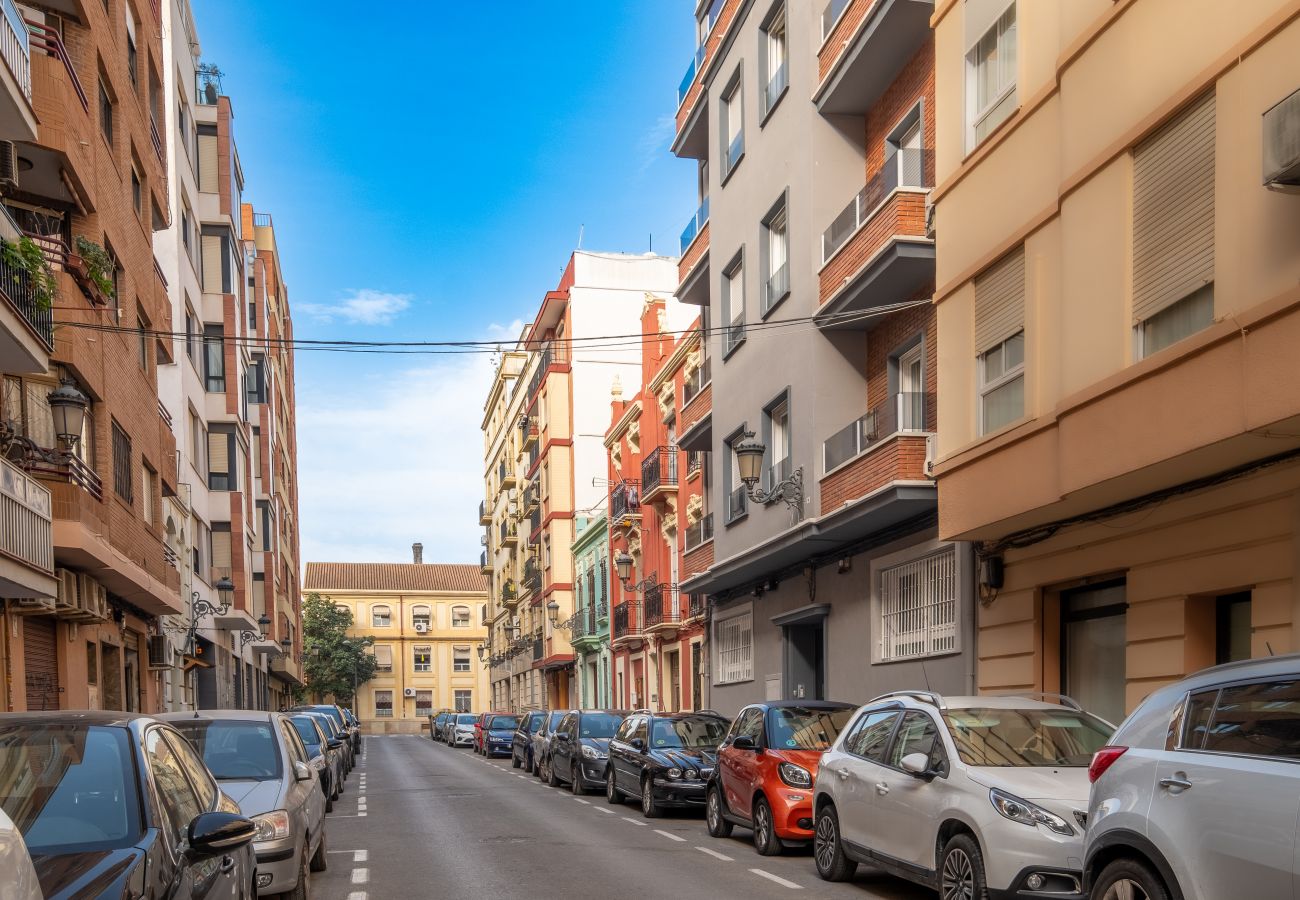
x=408, y=692
x=929, y=218
x=512, y=494
x=94, y=597
x=421, y=627
x=929, y=455
x=31, y=606
x=482, y=540
x=160, y=654
x=8, y=165
x=69, y=597
x=1282, y=145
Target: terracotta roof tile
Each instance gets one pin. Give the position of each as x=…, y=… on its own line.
x=343, y=576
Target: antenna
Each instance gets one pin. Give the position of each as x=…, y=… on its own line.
x=652, y=242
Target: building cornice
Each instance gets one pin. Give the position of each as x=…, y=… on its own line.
x=631, y=414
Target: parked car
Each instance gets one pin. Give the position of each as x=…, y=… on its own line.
x=521, y=745
x=118, y=805
x=16, y=869
x=666, y=759
x=498, y=733
x=766, y=768
x=326, y=755
x=261, y=764
x=436, y=723
x=354, y=724
x=579, y=749
x=460, y=730
x=972, y=796
x=332, y=729
x=349, y=733
x=542, y=740
x=1195, y=795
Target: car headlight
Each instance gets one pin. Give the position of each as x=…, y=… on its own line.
x=272, y=826
x=674, y=772
x=795, y=776
x=591, y=753
x=1026, y=813
x=690, y=774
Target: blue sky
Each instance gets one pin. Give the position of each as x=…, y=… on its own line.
x=428, y=176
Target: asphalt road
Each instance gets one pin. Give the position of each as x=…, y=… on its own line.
x=420, y=819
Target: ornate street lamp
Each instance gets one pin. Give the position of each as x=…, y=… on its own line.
x=749, y=462
x=553, y=612
x=68, y=407
x=623, y=569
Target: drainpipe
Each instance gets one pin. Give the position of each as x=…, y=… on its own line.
x=970, y=593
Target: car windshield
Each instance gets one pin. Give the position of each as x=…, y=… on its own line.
x=805, y=728
x=306, y=730
x=503, y=723
x=1026, y=737
x=234, y=751
x=326, y=723
x=598, y=725
x=695, y=733
x=535, y=721
x=466, y=719
x=69, y=787
x=555, y=720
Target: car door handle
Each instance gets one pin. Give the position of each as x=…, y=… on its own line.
x=1178, y=783
x=227, y=863
x=881, y=788
x=843, y=773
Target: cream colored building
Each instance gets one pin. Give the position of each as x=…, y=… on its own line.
x=426, y=621
x=1118, y=295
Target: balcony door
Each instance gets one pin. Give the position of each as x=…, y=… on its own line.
x=911, y=391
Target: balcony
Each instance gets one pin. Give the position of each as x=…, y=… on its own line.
x=26, y=318
x=508, y=533
x=26, y=534
x=532, y=498
x=535, y=527
x=695, y=226
x=699, y=532
x=505, y=475
x=866, y=44
x=696, y=608
x=875, y=253
x=692, y=126
x=207, y=85
x=625, y=504
x=16, y=117
x=887, y=445
x=484, y=563
x=661, y=609
x=626, y=626
x=688, y=80
x=554, y=358
x=484, y=513
x=531, y=583
x=902, y=412
x=659, y=473
x=539, y=647
x=509, y=595
x=585, y=633
x=528, y=429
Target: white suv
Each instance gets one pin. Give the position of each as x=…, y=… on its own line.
x=969, y=795
x=1199, y=794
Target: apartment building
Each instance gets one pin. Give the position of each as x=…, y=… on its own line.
x=599, y=295
x=812, y=126
x=85, y=191
x=656, y=511
x=426, y=623
x=1117, y=315
x=589, y=624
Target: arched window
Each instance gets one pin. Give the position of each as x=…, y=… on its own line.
x=421, y=616
x=460, y=617
x=381, y=617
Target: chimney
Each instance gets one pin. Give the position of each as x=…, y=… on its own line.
x=417, y=553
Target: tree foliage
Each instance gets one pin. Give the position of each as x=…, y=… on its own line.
x=332, y=660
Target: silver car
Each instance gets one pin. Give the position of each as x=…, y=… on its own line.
x=542, y=740
x=1196, y=795
x=261, y=763
x=325, y=753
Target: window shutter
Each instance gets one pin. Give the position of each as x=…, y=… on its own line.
x=211, y=249
x=218, y=453
x=1173, y=210
x=384, y=656
x=221, y=551
x=208, y=163
x=1000, y=301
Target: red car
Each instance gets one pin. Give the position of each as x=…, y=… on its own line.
x=479, y=734
x=766, y=769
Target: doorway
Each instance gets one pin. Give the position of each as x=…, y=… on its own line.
x=697, y=681
x=805, y=669
x=131, y=677
x=110, y=670
x=1094, y=646
x=674, y=660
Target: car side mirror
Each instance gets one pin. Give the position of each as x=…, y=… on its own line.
x=301, y=771
x=334, y=745
x=637, y=744
x=917, y=765
x=561, y=735
x=744, y=742
x=214, y=833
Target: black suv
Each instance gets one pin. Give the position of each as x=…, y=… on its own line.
x=521, y=746
x=664, y=758
x=580, y=748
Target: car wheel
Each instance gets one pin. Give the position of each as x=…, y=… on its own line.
x=719, y=826
x=765, y=840
x=613, y=796
x=576, y=784
x=961, y=870
x=649, y=806
x=551, y=778
x=1128, y=879
x=828, y=850
x=528, y=763
x=319, y=862
x=514, y=760
x=301, y=890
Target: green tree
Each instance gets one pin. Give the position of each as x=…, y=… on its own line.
x=333, y=662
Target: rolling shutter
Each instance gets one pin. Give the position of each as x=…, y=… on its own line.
x=221, y=551
x=1173, y=210
x=208, y=163
x=218, y=453
x=41, y=659
x=211, y=249
x=1000, y=301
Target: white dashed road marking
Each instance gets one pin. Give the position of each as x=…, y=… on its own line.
x=358, y=895
x=671, y=836
x=634, y=822
x=778, y=879
x=602, y=809
x=360, y=876
x=583, y=802
x=715, y=854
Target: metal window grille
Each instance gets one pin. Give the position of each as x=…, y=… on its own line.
x=918, y=607
x=122, y=464
x=735, y=649
x=384, y=704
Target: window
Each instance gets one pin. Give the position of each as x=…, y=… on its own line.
x=202, y=545
x=177, y=799
x=918, y=607
x=383, y=704
x=381, y=617
x=122, y=463
x=1232, y=628
x=423, y=658
x=206, y=165
x=731, y=126
x=132, y=56
x=1002, y=384
x=1094, y=648
x=223, y=459
x=777, y=427
x=733, y=488
x=916, y=734
x=424, y=703
x=147, y=476
x=460, y=660
x=463, y=701
x=219, y=550
x=264, y=522
x=105, y=112
x=1261, y=719
x=214, y=359
x=216, y=262
x=198, y=443
x=870, y=736
x=137, y=193
x=383, y=658
x=460, y=617
x=990, y=75
x=773, y=59
x=421, y=616
x=776, y=253
x=733, y=305
x=142, y=342
x=909, y=366
x=733, y=640
x=1173, y=229
x=191, y=333
x=256, y=383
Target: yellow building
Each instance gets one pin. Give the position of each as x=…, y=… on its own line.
x=427, y=624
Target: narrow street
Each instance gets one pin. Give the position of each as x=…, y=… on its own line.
x=421, y=819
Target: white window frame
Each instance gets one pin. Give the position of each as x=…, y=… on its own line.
x=733, y=288
x=1004, y=31
x=731, y=111
x=426, y=615
x=387, y=616
x=468, y=620
x=775, y=34
x=416, y=665
x=1140, y=348
x=742, y=668
x=389, y=713
x=1007, y=377
x=461, y=655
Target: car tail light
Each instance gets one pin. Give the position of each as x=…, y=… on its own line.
x=1102, y=760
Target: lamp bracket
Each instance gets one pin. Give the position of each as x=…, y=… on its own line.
x=788, y=491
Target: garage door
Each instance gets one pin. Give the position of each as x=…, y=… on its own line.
x=42, y=663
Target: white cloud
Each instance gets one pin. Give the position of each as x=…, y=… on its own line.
x=363, y=307
x=653, y=145
x=391, y=459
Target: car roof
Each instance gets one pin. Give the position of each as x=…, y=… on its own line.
x=78, y=717
x=801, y=704
x=689, y=714
x=223, y=715
x=1286, y=665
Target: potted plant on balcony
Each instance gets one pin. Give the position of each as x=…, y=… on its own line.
x=25, y=261
x=92, y=268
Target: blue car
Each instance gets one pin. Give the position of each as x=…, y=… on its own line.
x=499, y=734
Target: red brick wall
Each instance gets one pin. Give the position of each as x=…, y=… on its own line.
x=914, y=83
x=902, y=213
x=697, y=248
x=899, y=458
x=887, y=338
x=837, y=40
x=697, y=409
x=720, y=28
x=698, y=560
